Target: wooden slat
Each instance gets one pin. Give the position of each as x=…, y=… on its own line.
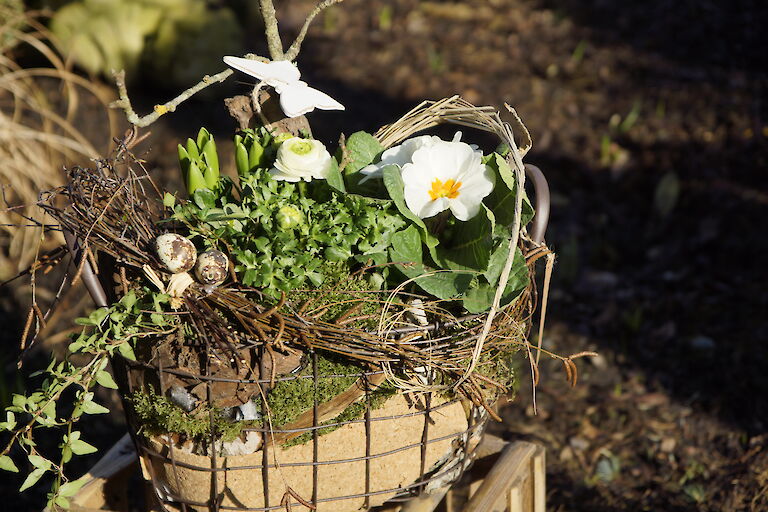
x=506, y=479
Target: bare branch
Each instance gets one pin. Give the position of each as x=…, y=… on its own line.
x=125, y=102
x=293, y=51
x=271, y=30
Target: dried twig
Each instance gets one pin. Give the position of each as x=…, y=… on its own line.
x=125, y=102
x=295, y=48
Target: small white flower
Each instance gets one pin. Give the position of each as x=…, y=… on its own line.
x=446, y=175
x=402, y=154
x=301, y=159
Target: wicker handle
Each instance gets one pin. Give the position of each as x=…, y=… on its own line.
x=541, y=202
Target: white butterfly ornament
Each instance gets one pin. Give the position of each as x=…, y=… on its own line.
x=296, y=97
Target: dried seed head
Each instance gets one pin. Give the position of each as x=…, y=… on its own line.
x=175, y=252
x=212, y=267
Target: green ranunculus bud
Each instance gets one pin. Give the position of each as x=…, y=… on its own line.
x=289, y=217
x=282, y=137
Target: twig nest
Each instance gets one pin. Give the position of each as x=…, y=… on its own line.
x=175, y=252
x=212, y=267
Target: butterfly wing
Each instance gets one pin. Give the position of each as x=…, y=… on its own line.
x=297, y=99
x=273, y=73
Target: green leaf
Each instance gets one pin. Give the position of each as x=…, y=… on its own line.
x=80, y=447
x=105, y=379
x=61, y=502
x=32, y=479
x=126, y=350
x=393, y=181
x=502, y=201
x=406, y=248
x=362, y=149
x=255, y=155
x=71, y=488
x=129, y=300
x=470, y=245
x=192, y=150
x=334, y=177
x=479, y=298
x=195, y=179
x=39, y=462
x=204, y=198
x=6, y=464
x=169, y=200
x=211, y=159
x=203, y=136
x=241, y=160
x=90, y=407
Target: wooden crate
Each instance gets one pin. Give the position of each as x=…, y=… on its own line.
x=507, y=477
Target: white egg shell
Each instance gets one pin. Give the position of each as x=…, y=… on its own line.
x=212, y=267
x=175, y=252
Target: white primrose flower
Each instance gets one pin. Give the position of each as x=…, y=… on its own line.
x=447, y=175
x=301, y=159
x=402, y=154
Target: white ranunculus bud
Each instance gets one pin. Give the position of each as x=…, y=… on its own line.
x=301, y=159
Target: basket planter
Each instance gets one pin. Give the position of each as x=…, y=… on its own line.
x=417, y=438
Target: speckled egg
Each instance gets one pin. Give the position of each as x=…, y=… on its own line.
x=212, y=267
x=175, y=252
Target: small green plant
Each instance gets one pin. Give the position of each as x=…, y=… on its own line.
x=106, y=331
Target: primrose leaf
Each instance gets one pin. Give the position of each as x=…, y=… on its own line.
x=362, y=149
x=470, y=243
x=479, y=298
x=406, y=248
x=334, y=178
x=502, y=201
x=393, y=181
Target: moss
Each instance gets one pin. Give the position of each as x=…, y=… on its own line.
x=337, y=295
x=159, y=415
x=354, y=412
x=289, y=398
x=287, y=401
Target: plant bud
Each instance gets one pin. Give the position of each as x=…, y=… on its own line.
x=288, y=217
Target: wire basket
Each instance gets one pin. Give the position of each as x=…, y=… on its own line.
x=417, y=439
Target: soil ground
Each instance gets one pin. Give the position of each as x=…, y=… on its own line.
x=650, y=121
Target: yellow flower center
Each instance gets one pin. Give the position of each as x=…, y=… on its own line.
x=449, y=189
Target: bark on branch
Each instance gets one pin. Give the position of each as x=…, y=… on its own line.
x=293, y=51
x=124, y=102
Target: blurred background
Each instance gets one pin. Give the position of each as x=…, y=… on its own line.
x=648, y=118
